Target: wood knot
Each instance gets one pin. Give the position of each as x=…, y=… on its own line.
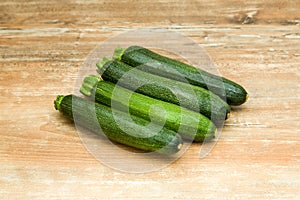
x=245, y=18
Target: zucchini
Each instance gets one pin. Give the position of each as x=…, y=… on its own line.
x=179, y=93
x=100, y=119
x=160, y=65
x=191, y=125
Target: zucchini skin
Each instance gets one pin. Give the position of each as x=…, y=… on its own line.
x=100, y=119
x=191, y=97
x=191, y=125
x=157, y=64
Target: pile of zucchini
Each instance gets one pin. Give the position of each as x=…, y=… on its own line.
x=183, y=103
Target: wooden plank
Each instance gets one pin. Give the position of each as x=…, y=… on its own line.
x=123, y=13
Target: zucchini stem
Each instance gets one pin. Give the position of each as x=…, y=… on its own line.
x=101, y=64
x=89, y=85
x=118, y=53
x=58, y=101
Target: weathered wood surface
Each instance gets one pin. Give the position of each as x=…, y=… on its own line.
x=44, y=43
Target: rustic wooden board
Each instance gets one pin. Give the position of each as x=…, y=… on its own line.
x=42, y=46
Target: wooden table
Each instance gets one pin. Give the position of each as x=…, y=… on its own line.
x=43, y=45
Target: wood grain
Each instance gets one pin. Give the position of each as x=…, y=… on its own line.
x=44, y=43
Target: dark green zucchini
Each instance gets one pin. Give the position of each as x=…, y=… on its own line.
x=191, y=125
x=160, y=65
x=192, y=97
x=100, y=119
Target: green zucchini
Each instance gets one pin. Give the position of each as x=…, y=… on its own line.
x=191, y=97
x=100, y=119
x=160, y=65
x=191, y=125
